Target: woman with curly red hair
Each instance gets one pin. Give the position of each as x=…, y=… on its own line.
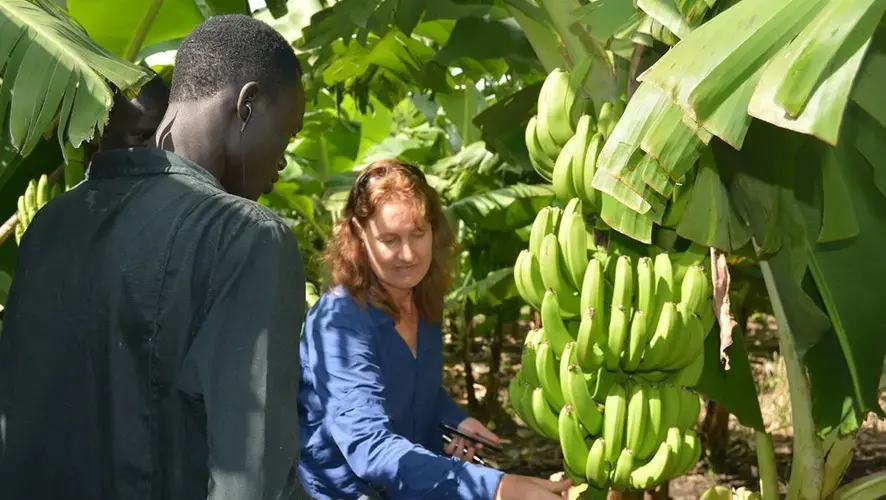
x=371, y=398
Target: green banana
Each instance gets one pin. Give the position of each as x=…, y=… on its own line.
x=617, y=334
x=542, y=226
x=549, y=146
x=637, y=416
x=689, y=375
x=659, y=344
x=578, y=395
x=583, y=134
x=653, y=472
x=532, y=280
x=528, y=358
x=592, y=196
x=553, y=276
x=540, y=160
x=689, y=454
x=717, y=493
x=549, y=374
x=42, y=191
x=596, y=466
x=526, y=405
x=30, y=201
x=590, y=336
x=593, y=288
x=620, y=477
x=694, y=288
x=691, y=339
x=523, y=288
x=544, y=415
x=572, y=237
x=645, y=285
x=653, y=429
x=552, y=321
x=690, y=408
x=670, y=409
x=566, y=360
x=572, y=438
x=605, y=380
x=674, y=439
x=637, y=338
x=515, y=395
x=562, y=180
x=664, y=282
x=614, y=412
x=605, y=118
x=623, y=284
x=556, y=99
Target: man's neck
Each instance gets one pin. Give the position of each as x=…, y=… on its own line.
x=194, y=130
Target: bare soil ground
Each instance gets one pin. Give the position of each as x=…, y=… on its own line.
x=530, y=454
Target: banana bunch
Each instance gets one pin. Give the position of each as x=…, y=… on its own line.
x=609, y=373
x=564, y=142
x=36, y=195
x=719, y=492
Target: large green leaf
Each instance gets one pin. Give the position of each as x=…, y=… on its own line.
x=780, y=192
x=734, y=389
x=122, y=31
x=840, y=272
x=49, y=62
x=461, y=106
x=504, y=209
x=482, y=39
x=502, y=125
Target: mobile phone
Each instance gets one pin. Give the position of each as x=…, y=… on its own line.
x=477, y=458
x=486, y=444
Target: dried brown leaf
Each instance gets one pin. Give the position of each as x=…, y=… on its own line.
x=720, y=279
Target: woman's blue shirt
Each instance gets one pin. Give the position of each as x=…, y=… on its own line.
x=369, y=411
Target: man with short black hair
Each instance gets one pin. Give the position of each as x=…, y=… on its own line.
x=150, y=345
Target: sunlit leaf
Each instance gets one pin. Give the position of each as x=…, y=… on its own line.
x=806, y=85
x=668, y=14
x=709, y=218
x=707, y=69
x=51, y=69
x=504, y=209
x=604, y=17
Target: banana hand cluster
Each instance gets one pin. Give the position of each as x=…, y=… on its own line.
x=719, y=492
x=609, y=373
x=37, y=194
x=564, y=142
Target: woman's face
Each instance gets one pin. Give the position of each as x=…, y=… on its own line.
x=399, y=243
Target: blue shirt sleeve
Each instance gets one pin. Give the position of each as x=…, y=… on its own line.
x=353, y=394
x=450, y=413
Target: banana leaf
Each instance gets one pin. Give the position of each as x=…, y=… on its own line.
x=53, y=72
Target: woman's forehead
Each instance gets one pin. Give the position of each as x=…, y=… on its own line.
x=397, y=214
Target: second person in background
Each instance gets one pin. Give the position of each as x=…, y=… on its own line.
x=371, y=396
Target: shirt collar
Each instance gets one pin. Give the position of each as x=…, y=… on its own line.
x=145, y=161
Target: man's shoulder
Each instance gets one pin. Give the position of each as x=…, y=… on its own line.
x=236, y=218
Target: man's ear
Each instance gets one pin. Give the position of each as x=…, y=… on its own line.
x=247, y=95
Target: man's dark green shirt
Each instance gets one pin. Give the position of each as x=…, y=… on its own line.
x=150, y=343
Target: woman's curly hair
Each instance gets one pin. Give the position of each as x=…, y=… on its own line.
x=345, y=258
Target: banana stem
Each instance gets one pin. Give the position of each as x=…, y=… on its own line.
x=141, y=32
x=808, y=461
x=766, y=464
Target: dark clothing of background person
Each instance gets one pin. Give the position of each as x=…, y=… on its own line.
x=159, y=306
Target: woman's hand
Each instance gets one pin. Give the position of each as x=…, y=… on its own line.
x=513, y=487
x=465, y=449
